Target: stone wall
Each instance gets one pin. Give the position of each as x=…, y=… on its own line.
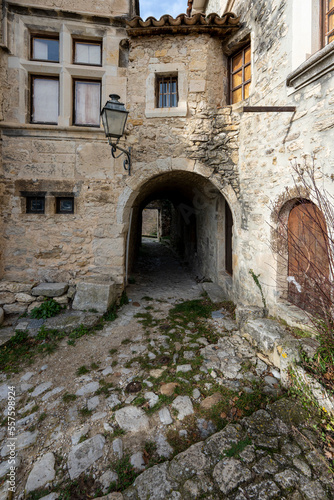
x=269, y=141
x=59, y=160
x=97, y=7
x=205, y=152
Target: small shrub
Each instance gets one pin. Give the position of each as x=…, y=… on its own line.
x=111, y=314
x=124, y=299
x=82, y=370
x=47, y=309
x=237, y=448
x=126, y=474
x=69, y=397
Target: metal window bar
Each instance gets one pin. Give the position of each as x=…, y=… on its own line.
x=167, y=92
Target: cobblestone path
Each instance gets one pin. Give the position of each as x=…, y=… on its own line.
x=168, y=401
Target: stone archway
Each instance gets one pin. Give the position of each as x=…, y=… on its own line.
x=204, y=215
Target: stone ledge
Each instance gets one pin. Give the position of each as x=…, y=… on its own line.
x=314, y=68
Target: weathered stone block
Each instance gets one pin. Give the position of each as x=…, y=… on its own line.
x=2, y=315
x=95, y=295
x=24, y=297
x=246, y=313
x=215, y=292
x=6, y=298
x=70, y=320
x=265, y=333
x=50, y=289
x=10, y=286
x=16, y=308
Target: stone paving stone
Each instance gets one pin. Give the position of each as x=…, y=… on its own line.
x=287, y=479
x=88, y=389
x=313, y=491
x=183, y=368
x=184, y=406
x=42, y=473
x=229, y=474
x=154, y=483
x=85, y=454
x=40, y=389
x=165, y=417
x=117, y=446
x=132, y=419
x=164, y=449
x=152, y=398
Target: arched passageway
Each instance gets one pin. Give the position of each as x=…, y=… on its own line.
x=200, y=222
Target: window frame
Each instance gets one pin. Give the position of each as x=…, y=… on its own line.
x=43, y=37
x=58, y=201
x=325, y=14
x=86, y=80
x=160, y=78
x=90, y=42
x=232, y=73
x=29, y=199
x=41, y=77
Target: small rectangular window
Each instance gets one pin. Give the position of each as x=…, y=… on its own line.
x=87, y=103
x=44, y=99
x=65, y=205
x=328, y=21
x=167, y=92
x=35, y=204
x=45, y=48
x=86, y=52
x=240, y=72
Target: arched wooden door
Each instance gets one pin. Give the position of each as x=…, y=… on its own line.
x=308, y=280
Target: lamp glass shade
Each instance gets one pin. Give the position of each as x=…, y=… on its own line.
x=114, y=116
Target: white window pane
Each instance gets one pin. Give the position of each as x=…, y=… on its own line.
x=40, y=49
x=87, y=103
x=46, y=49
x=81, y=55
x=87, y=53
x=45, y=100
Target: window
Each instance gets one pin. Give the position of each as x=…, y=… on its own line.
x=87, y=103
x=65, y=205
x=240, y=75
x=44, y=99
x=35, y=204
x=328, y=21
x=167, y=95
x=87, y=52
x=45, y=48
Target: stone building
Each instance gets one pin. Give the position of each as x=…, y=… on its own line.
x=218, y=105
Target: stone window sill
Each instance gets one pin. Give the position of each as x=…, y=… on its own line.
x=319, y=64
x=181, y=110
